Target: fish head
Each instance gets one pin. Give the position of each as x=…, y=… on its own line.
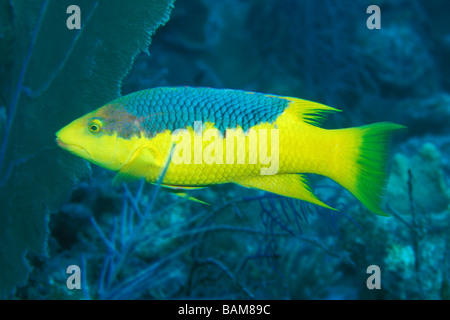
x=106, y=137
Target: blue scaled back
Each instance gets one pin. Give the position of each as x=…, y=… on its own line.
x=170, y=108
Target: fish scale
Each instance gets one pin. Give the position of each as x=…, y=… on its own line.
x=173, y=108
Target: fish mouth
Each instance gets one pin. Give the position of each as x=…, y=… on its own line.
x=60, y=143
x=73, y=148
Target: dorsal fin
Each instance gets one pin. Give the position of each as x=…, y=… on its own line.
x=311, y=112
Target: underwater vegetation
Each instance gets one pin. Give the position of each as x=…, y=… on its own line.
x=51, y=73
x=136, y=241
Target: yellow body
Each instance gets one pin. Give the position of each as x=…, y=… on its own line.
x=303, y=148
x=351, y=157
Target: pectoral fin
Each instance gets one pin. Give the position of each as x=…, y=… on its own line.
x=123, y=178
x=288, y=185
x=138, y=167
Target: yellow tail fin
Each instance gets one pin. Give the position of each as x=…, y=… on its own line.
x=362, y=168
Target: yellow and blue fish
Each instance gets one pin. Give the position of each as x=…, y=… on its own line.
x=189, y=132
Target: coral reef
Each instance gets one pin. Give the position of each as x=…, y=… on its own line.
x=411, y=247
x=139, y=242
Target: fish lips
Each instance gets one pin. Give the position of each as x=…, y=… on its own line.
x=72, y=148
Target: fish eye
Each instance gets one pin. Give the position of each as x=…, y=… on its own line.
x=95, y=126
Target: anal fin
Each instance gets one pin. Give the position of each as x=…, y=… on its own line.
x=288, y=185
